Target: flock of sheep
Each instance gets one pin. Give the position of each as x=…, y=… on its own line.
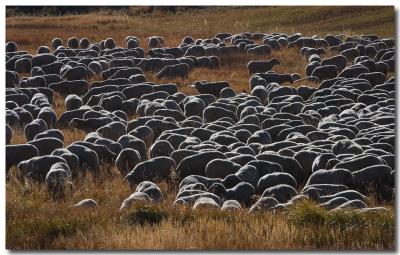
x=332, y=143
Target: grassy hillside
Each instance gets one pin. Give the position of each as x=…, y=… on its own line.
x=35, y=221
x=30, y=32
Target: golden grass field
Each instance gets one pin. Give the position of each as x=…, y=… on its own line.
x=35, y=221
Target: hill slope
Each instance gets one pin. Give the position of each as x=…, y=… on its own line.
x=31, y=31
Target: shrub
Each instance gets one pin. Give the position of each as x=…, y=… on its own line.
x=145, y=215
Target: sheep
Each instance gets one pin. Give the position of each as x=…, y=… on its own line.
x=71, y=159
x=49, y=116
x=113, y=130
x=213, y=113
x=95, y=67
x=334, y=203
x=373, y=210
x=109, y=43
x=261, y=136
x=78, y=87
x=288, y=164
x=73, y=102
x=194, y=107
x=315, y=191
x=180, y=154
x=23, y=65
x=89, y=124
x=75, y=73
x=227, y=92
x=187, y=40
x=103, y=153
x=136, y=91
x=87, y=157
x=241, y=192
x=24, y=116
x=247, y=173
x=11, y=47
x=19, y=152
x=358, y=162
x=353, y=71
x=37, y=81
x=264, y=203
x=273, y=43
x=161, y=148
x=118, y=73
x=37, y=167
x=281, y=192
x=12, y=79
x=346, y=147
x=260, y=50
x=152, y=169
x=132, y=44
x=377, y=174
x=351, y=204
x=213, y=88
x=242, y=135
x=203, y=203
x=151, y=189
x=129, y=141
x=375, y=78
x=35, y=71
x=57, y=178
x=144, y=133
x=137, y=78
x=196, y=164
x=43, y=49
x=114, y=147
x=86, y=203
x=271, y=77
x=324, y=72
x=350, y=54
x=135, y=198
x=73, y=43
x=333, y=40
x=52, y=68
x=334, y=176
x=46, y=145
x=195, y=50
x=35, y=127
x=231, y=205
x=84, y=43
x=307, y=52
x=172, y=71
x=153, y=42
x=262, y=66
x=274, y=179
x=220, y=168
x=348, y=194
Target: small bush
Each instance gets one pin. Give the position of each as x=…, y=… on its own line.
x=306, y=213
x=145, y=216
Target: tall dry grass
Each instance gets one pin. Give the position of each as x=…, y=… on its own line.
x=35, y=221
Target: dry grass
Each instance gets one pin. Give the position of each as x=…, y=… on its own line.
x=30, y=32
x=34, y=221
